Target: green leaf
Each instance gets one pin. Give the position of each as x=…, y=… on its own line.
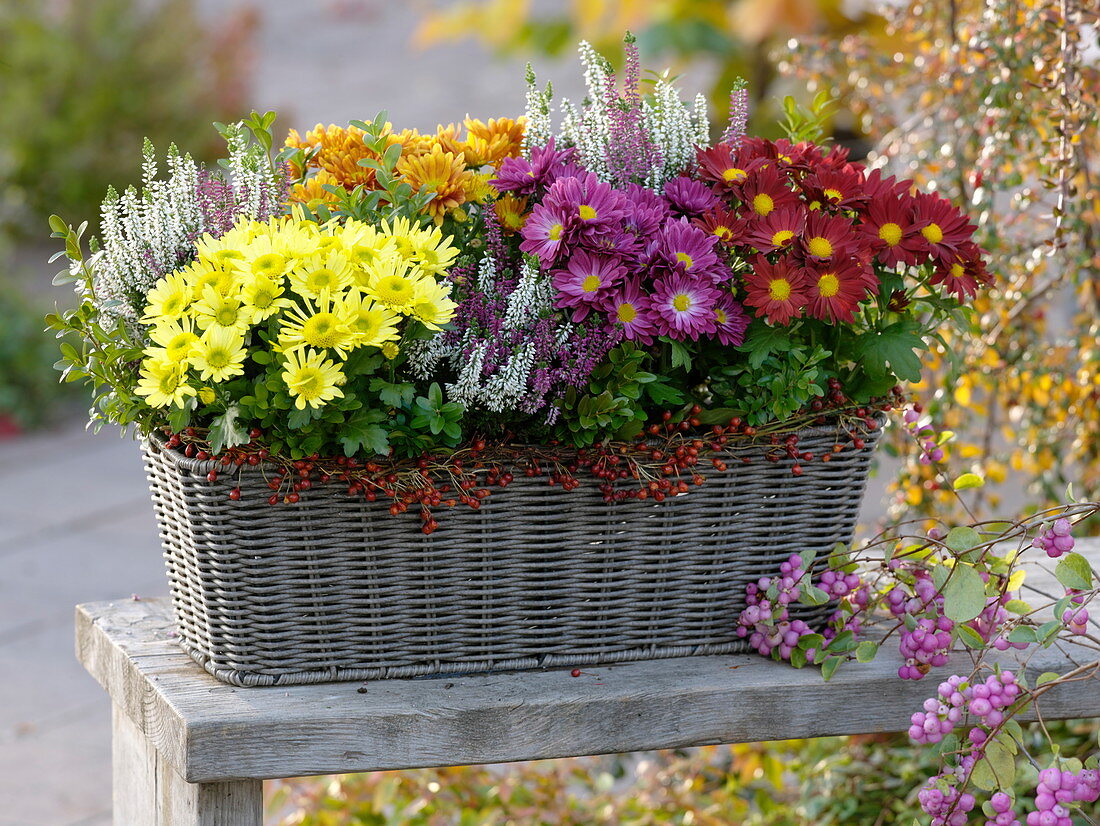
x=1018, y=606
x=866, y=651
x=964, y=594
x=892, y=347
x=681, y=356
x=1022, y=633
x=1046, y=677
x=1074, y=571
x=968, y=480
x=798, y=657
x=225, y=432
x=829, y=667
x=362, y=432
x=970, y=638
x=812, y=595
x=997, y=769
x=763, y=340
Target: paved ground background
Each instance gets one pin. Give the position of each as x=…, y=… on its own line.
x=75, y=521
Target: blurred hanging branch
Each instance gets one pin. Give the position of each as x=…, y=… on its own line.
x=998, y=100
x=736, y=38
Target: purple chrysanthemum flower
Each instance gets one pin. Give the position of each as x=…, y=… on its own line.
x=586, y=282
x=526, y=177
x=588, y=204
x=730, y=320
x=683, y=248
x=689, y=197
x=544, y=233
x=628, y=308
x=639, y=196
x=683, y=308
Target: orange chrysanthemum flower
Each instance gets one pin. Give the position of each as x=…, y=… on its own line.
x=511, y=212
x=413, y=144
x=441, y=172
x=341, y=149
x=492, y=142
x=313, y=192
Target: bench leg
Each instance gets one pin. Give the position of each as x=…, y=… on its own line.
x=148, y=791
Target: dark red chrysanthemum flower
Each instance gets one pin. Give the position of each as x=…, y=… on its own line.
x=723, y=165
x=944, y=228
x=835, y=188
x=835, y=289
x=726, y=224
x=777, y=291
x=777, y=230
x=828, y=237
x=765, y=190
x=888, y=227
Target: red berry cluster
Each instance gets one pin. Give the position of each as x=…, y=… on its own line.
x=661, y=463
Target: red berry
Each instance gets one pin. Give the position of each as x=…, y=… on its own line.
x=576, y=672
x=235, y=494
x=212, y=476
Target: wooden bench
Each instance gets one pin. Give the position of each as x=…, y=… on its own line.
x=189, y=750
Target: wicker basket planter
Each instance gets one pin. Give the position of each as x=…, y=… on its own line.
x=333, y=588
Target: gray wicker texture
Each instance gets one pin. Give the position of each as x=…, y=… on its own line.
x=335, y=588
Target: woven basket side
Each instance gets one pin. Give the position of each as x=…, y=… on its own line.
x=335, y=588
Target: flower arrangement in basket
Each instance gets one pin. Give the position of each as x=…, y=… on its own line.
x=555, y=328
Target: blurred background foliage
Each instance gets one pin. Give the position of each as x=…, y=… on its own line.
x=76, y=76
x=831, y=781
x=725, y=39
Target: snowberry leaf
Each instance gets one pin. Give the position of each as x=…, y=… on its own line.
x=812, y=595
x=1018, y=606
x=1074, y=571
x=997, y=769
x=960, y=540
x=970, y=638
x=1022, y=633
x=829, y=667
x=1046, y=677
x=968, y=480
x=798, y=657
x=964, y=594
x=866, y=651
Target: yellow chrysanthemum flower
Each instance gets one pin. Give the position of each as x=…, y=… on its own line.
x=374, y=323
x=320, y=273
x=445, y=175
x=311, y=378
x=218, y=355
x=170, y=298
x=200, y=276
x=326, y=325
x=163, y=382
x=393, y=282
x=432, y=305
x=176, y=336
x=227, y=312
x=263, y=297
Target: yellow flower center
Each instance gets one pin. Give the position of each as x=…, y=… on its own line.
x=321, y=330
x=217, y=357
x=733, y=174
x=685, y=259
x=591, y=283
x=627, y=313
x=779, y=289
x=179, y=345
x=394, y=289
x=782, y=237
x=723, y=232
x=828, y=285
x=555, y=232
x=321, y=278
x=890, y=233
x=168, y=382
x=223, y=255
x=226, y=315
x=587, y=213
x=720, y=315
x=763, y=203
x=363, y=253
x=308, y=383
x=957, y=270
x=263, y=297
x=933, y=233
x=681, y=302
x=172, y=305
x=821, y=247
x=833, y=194
x=785, y=158
x=269, y=264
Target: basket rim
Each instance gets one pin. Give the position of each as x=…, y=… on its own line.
x=156, y=441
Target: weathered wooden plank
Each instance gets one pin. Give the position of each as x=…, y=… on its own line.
x=216, y=732
x=148, y=791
